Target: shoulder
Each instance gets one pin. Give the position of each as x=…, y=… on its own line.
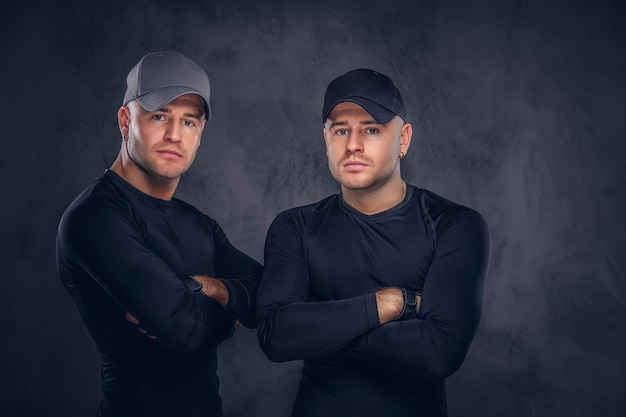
x=190, y=210
x=196, y=220
x=304, y=212
x=438, y=206
x=299, y=217
x=97, y=199
x=442, y=214
x=94, y=214
x=104, y=194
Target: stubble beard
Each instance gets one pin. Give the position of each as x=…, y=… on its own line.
x=165, y=172
x=368, y=181
x=153, y=168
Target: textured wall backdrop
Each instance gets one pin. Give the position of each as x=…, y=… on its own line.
x=517, y=108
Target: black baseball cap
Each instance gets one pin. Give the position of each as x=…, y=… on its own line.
x=373, y=91
x=160, y=77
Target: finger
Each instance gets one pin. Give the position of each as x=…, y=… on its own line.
x=144, y=331
x=132, y=319
x=147, y=333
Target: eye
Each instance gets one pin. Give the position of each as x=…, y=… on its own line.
x=188, y=123
x=341, y=132
x=158, y=117
x=371, y=131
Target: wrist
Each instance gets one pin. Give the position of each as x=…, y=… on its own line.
x=410, y=308
x=193, y=284
x=389, y=302
x=214, y=288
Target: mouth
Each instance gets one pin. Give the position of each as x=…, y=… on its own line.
x=170, y=153
x=351, y=165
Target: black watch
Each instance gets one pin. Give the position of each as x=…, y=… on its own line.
x=192, y=283
x=410, y=304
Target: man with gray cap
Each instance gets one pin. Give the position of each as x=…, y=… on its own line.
x=156, y=281
x=379, y=288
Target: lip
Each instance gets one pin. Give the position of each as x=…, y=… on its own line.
x=169, y=152
x=354, y=164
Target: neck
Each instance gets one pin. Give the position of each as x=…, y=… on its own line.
x=157, y=187
x=377, y=200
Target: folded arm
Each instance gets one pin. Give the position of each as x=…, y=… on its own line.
x=240, y=275
x=107, y=245
x=436, y=342
x=292, y=327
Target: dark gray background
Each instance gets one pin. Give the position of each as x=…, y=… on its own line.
x=517, y=108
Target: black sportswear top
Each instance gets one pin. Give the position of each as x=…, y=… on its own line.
x=120, y=250
x=316, y=301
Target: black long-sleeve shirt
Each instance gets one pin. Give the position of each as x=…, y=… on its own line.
x=316, y=301
x=120, y=250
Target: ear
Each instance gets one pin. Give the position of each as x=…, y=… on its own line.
x=123, y=121
x=325, y=133
x=406, y=132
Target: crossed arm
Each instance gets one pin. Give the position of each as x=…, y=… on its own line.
x=112, y=252
x=211, y=287
x=367, y=327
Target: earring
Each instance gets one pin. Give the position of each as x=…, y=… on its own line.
x=401, y=155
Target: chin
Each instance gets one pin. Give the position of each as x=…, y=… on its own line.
x=170, y=172
x=169, y=175
x=356, y=185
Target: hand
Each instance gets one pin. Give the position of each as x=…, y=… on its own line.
x=390, y=304
x=213, y=288
x=134, y=321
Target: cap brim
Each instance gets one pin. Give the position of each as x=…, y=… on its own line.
x=381, y=114
x=157, y=99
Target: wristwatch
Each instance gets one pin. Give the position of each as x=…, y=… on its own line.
x=410, y=309
x=192, y=283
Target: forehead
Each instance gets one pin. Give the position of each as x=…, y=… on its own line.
x=348, y=109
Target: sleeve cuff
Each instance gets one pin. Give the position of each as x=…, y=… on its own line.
x=236, y=294
x=372, y=310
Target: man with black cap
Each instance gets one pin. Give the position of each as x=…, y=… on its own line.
x=133, y=257
x=379, y=288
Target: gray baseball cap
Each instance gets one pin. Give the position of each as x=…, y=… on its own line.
x=160, y=77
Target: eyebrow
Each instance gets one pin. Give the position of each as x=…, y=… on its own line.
x=344, y=123
x=194, y=115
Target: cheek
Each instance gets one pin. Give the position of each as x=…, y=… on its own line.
x=140, y=137
x=392, y=150
x=135, y=145
x=197, y=144
x=334, y=152
x=192, y=147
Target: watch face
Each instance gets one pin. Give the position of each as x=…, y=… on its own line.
x=409, y=298
x=191, y=282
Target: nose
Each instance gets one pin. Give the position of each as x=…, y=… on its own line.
x=355, y=143
x=173, y=132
